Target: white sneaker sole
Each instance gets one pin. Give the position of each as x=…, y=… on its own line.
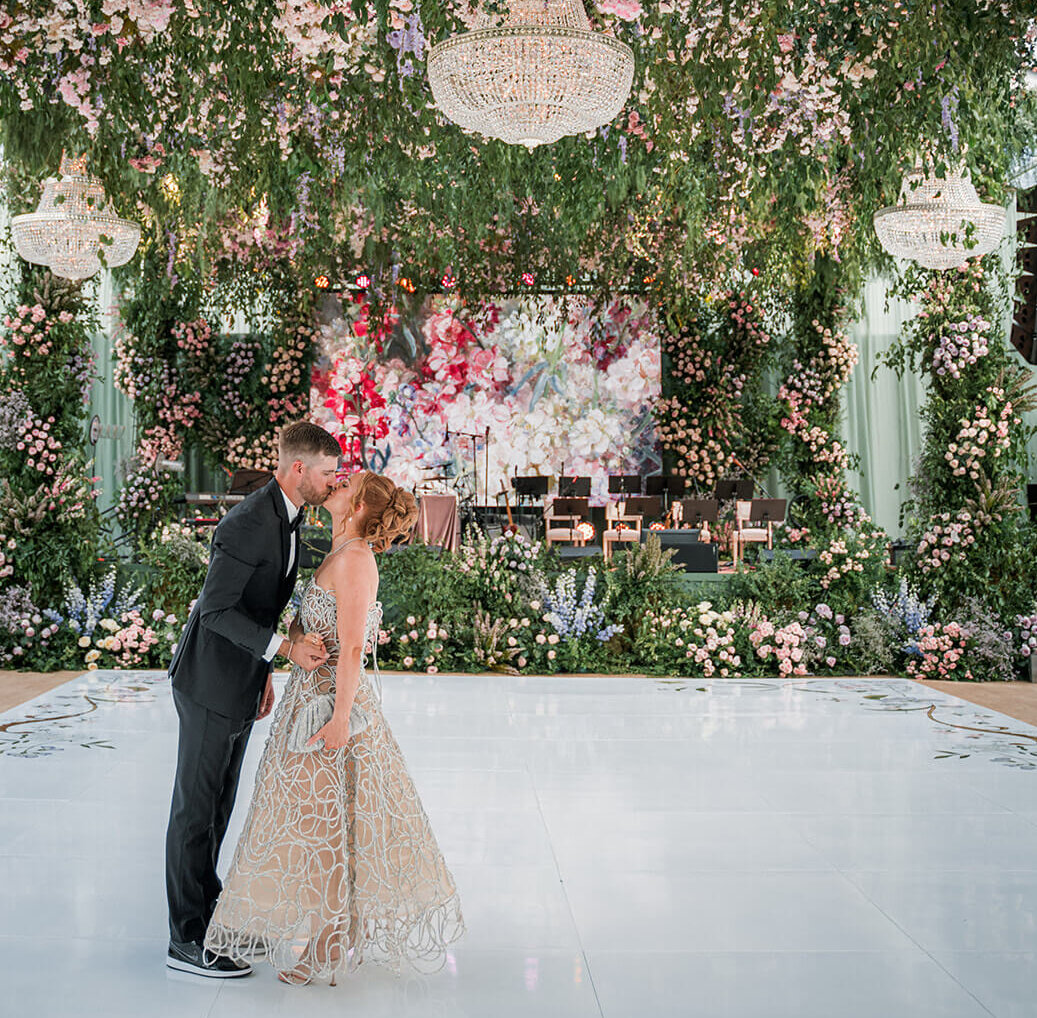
x=198, y=970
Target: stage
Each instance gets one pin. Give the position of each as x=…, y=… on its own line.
x=622, y=847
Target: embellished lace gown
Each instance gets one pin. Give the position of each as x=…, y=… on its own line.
x=337, y=862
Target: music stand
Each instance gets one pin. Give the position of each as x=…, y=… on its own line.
x=625, y=484
x=530, y=487
x=698, y=510
x=740, y=488
x=651, y=507
x=657, y=484
x=244, y=482
x=571, y=507
x=767, y=510
x=574, y=487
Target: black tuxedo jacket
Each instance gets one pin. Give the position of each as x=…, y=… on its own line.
x=219, y=660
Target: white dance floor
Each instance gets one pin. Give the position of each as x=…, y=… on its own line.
x=623, y=847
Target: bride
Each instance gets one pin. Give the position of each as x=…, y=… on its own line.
x=337, y=861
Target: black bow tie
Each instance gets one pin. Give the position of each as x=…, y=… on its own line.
x=294, y=525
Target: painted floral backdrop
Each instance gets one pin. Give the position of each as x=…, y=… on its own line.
x=561, y=384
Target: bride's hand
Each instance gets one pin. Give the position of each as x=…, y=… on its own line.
x=335, y=733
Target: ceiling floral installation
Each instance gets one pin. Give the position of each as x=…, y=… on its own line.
x=748, y=124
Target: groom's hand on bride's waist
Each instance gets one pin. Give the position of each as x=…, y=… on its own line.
x=308, y=653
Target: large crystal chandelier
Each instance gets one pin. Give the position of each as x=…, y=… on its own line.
x=537, y=77
x=73, y=225
x=939, y=222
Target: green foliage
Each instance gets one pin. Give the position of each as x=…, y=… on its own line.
x=177, y=557
x=781, y=583
x=644, y=576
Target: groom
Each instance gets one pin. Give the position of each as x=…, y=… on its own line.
x=221, y=678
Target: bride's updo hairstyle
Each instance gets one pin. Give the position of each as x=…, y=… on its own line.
x=389, y=511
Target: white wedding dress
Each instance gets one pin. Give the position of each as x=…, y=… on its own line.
x=337, y=862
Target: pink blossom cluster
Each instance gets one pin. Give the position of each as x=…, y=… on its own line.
x=706, y=636
x=7, y=544
x=942, y=649
x=28, y=334
x=947, y=539
x=1026, y=624
x=625, y=10
x=849, y=554
x=257, y=454
x=837, y=503
x=963, y=343
x=703, y=457
x=193, y=338
x=421, y=641
x=42, y=449
x=981, y=436
x=783, y=644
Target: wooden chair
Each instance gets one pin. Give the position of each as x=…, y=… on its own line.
x=562, y=517
x=755, y=522
x=613, y=534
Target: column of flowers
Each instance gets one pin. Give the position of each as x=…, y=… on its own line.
x=49, y=525
x=712, y=420
x=826, y=514
x=974, y=547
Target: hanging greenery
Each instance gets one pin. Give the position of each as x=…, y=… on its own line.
x=751, y=127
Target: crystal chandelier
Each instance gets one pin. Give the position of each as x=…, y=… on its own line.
x=939, y=222
x=73, y=225
x=537, y=77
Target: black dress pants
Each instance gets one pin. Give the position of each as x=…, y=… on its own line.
x=208, y=766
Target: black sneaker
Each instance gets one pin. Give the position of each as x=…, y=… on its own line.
x=193, y=958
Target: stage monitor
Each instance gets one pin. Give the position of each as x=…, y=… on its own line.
x=658, y=485
x=697, y=510
x=625, y=484
x=570, y=507
x=742, y=488
x=530, y=487
x=651, y=507
x=574, y=487
x=767, y=510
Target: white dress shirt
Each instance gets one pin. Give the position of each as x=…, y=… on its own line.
x=293, y=511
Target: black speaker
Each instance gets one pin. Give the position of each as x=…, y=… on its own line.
x=696, y=556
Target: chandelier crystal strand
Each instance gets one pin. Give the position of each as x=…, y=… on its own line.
x=936, y=219
x=539, y=76
x=73, y=225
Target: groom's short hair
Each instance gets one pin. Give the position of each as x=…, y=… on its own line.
x=303, y=440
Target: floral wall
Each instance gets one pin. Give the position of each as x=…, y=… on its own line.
x=563, y=385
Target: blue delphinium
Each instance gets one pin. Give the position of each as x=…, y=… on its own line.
x=907, y=609
x=82, y=611
x=572, y=616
